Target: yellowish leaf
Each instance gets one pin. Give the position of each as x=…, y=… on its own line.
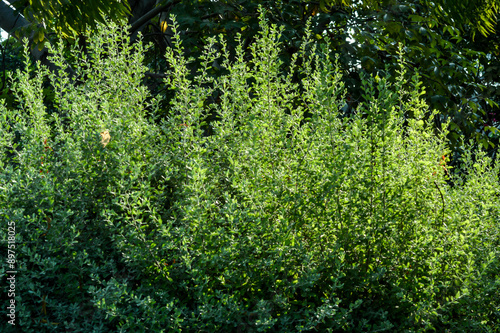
x=105, y=138
x=163, y=26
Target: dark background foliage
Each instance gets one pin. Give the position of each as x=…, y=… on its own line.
x=456, y=54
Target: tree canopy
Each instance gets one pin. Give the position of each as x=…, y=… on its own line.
x=454, y=45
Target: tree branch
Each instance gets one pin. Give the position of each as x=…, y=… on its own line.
x=148, y=16
x=9, y=19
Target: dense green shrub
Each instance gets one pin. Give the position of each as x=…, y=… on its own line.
x=262, y=220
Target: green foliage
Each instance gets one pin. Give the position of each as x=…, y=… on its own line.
x=70, y=17
x=453, y=44
x=281, y=215
x=10, y=60
x=458, y=66
x=455, y=65
x=480, y=14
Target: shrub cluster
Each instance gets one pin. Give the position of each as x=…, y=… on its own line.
x=281, y=215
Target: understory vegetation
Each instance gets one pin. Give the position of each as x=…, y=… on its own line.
x=268, y=211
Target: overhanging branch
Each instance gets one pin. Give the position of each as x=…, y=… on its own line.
x=148, y=16
x=10, y=19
